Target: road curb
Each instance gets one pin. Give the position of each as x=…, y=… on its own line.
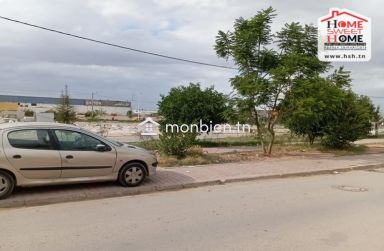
x=174, y=187
x=305, y=174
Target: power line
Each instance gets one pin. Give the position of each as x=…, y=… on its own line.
x=116, y=45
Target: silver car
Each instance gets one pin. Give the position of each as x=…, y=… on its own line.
x=34, y=154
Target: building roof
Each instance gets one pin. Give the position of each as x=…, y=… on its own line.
x=55, y=101
x=37, y=100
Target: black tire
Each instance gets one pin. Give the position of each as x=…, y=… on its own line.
x=132, y=174
x=7, y=184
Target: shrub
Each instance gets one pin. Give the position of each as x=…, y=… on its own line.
x=349, y=122
x=29, y=113
x=176, y=144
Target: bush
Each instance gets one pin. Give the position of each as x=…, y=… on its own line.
x=349, y=122
x=176, y=144
x=29, y=113
x=95, y=113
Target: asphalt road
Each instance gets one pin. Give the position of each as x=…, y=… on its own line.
x=308, y=213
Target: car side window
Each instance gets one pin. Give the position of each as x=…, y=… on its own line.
x=72, y=140
x=31, y=139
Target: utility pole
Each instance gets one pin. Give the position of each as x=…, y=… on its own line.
x=138, y=107
x=92, y=105
x=132, y=100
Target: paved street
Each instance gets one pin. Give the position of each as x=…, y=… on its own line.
x=194, y=176
x=307, y=213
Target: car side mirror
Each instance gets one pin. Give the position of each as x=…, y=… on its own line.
x=101, y=148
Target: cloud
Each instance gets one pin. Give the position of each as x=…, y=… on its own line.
x=35, y=62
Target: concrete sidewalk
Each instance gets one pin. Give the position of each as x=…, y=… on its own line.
x=194, y=176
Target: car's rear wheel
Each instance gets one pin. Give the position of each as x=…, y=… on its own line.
x=132, y=174
x=7, y=184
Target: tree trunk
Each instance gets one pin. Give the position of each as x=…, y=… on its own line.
x=259, y=132
x=311, y=139
x=272, y=132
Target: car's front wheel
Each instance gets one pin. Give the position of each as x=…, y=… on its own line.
x=132, y=174
x=7, y=184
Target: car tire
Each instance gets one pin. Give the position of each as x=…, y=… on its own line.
x=7, y=184
x=132, y=174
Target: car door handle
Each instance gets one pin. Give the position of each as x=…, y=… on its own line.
x=17, y=156
x=69, y=157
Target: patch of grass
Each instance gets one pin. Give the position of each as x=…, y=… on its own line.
x=200, y=158
x=286, y=145
x=302, y=147
x=249, y=141
x=171, y=161
x=228, y=142
x=289, y=139
x=221, y=143
x=348, y=150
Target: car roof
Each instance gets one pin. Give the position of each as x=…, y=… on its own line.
x=36, y=125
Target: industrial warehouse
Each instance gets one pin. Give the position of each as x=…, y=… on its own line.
x=15, y=106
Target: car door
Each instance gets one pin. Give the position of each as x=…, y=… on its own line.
x=80, y=157
x=32, y=152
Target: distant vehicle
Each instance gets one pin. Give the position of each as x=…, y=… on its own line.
x=34, y=154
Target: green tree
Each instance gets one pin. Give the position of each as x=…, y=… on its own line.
x=188, y=105
x=64, y=111
x=341, y=78
x=269, y=65
x=349, y=120
x=306, y=108
x=321, y=107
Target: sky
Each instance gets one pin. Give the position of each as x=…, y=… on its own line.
x=39, y=63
